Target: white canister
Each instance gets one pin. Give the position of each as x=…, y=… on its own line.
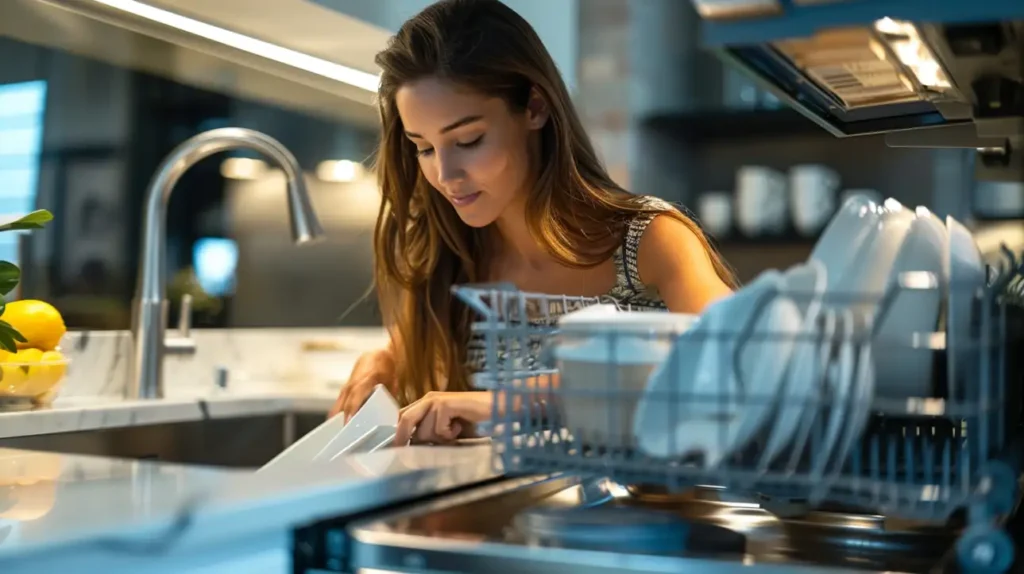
x=761, y=206
x=813, y=197
x=715, y=210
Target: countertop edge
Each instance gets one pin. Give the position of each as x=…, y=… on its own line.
x=119, y=414
x=250, y=505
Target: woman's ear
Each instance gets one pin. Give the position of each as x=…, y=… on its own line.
x=537, y=110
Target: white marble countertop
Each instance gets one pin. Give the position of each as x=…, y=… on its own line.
x=97, y=514
x=81, y=414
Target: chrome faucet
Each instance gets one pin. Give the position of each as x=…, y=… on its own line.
x=149, y=313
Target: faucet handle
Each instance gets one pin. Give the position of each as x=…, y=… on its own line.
x=181, y=342
x=185, y=317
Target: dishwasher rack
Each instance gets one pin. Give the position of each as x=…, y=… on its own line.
x=921, y=458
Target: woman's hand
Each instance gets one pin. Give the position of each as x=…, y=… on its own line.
x=442, y=417
x=371, y=369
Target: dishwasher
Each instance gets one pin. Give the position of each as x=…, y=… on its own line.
x=928, y=483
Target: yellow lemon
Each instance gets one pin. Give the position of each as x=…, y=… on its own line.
x=55, y=365
x=38, y=321
x=27, y=356
x=13, y=374
x=31, y=372
x=52, y=357
x=12, y=380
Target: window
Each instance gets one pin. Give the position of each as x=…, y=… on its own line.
x=22, y=108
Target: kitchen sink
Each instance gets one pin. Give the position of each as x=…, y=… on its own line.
x=242, y=442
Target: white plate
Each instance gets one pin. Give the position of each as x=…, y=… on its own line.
x=702, y=368
x=860, y=407
x=858, y=249
x=363, y=433
x=842, y=386
x=805, y=283
x=380, y=410
x=900, y=370
x=839, y=243
x=967, y=276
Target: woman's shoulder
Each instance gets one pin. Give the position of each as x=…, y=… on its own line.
x=654, y=203
x=649, y=208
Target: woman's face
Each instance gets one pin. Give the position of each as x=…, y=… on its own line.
x=473, y=149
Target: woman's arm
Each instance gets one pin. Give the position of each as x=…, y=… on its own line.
x=674, y=260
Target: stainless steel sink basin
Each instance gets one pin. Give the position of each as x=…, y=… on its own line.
x=245, y=442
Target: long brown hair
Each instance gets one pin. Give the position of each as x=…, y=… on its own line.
x=422, y=248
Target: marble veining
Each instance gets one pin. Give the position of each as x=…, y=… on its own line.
x=291, y=358
x=99, y=514
x=99, y=363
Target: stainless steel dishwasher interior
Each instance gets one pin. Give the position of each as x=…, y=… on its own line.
x=244, y=442
x=482, y=530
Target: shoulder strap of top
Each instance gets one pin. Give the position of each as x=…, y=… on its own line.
x=631, y=241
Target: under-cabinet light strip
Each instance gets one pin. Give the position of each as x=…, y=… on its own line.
x=319, y=66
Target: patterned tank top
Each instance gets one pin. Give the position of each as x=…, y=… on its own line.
x=629, y=291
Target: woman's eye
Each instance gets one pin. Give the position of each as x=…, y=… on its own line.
x=424, y=151
x=471, y=144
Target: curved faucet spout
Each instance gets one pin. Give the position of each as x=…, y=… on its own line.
x=149, y=317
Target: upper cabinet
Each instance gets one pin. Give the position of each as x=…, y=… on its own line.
x=289, y=53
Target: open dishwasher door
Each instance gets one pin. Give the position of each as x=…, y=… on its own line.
x=928, y=73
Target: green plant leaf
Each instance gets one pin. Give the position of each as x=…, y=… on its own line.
x=7, y=341
x=35, y=220
x=9, y=277
x=9, y=329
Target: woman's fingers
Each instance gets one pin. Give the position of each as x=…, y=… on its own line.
x=432, y=419
x=446, y=427
x=339, y=403
x=424, y=432
x=409, y=418
x=353, y=395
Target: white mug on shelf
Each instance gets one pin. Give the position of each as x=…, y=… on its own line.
x=761, y=205
x=715, y=211
x=813, y=190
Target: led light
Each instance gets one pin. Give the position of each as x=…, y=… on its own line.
x=342, y=171
x=905, y=41
x=243, y=168
x=319, y=66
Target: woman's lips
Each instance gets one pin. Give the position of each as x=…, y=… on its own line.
x=464, y=200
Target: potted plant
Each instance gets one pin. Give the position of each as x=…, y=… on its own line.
x=10, y=275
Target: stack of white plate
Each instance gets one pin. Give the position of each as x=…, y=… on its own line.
x=370, y=429
x=785, y=356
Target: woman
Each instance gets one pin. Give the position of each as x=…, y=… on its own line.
x=487, y=176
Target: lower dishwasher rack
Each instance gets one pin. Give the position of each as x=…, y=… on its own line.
x=481, y=530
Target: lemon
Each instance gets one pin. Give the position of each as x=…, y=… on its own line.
x=38, y=321
x=55, y=366
x=27, y=356
x=31, y=372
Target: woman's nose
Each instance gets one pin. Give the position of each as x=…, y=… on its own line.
x=449, y=169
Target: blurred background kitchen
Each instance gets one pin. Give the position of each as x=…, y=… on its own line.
x=95, y=93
